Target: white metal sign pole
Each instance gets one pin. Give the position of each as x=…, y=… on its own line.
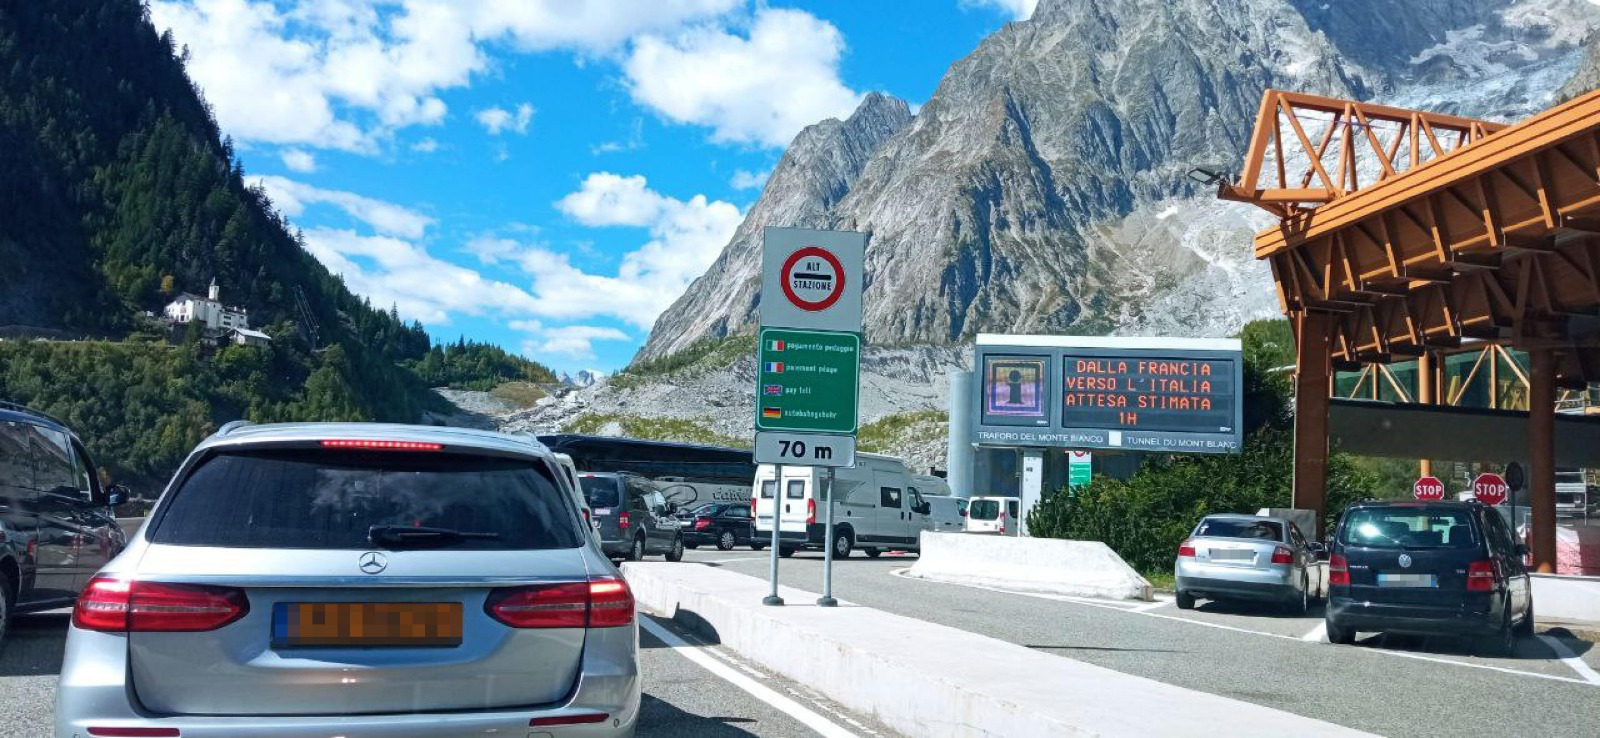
x=777, y=496
x=827, y=600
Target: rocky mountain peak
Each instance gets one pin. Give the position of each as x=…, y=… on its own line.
x=1042, y=188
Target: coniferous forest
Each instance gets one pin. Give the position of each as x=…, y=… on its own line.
x=118, y=190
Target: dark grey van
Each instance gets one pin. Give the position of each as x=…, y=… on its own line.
x=56, y=526
x=632, y=516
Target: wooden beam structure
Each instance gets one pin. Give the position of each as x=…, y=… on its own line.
x=1404, y=233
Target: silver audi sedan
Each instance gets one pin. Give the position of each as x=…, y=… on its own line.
x=356, y=580
x=1250, y=557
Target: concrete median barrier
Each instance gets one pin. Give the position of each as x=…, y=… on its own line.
x=1569, y=600
x=1049, y=565
x=925, y=679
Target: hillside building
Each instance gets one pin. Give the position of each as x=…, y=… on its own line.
x=208, y=310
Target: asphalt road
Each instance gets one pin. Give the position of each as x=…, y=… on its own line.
x=682, y=698
x=1398, y=687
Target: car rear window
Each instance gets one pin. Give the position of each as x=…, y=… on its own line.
x=1408, y=528
x=601, y=491
x=1260, y=530
x=316, y=499
x=985, y=509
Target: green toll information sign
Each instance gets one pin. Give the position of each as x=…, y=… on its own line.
x=806, y=381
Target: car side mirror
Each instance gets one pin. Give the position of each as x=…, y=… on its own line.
x=116, y=494
x=962, y=513
x=1521, y=549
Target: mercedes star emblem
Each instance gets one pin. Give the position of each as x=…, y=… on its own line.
x=1405, y=561
x=373, y=562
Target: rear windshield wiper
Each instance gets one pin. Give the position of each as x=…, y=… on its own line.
x=397, y=536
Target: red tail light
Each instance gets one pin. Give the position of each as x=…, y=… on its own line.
x=109, y=732
x=1481, y=576
x=1282, y=555
x=811, y=512
x=381, y=445
x=598, y=603
x=702, y=523
x=586, y=515
x=623, y=521
x=582, y=718
x=1338, y=570
x=1186, y=550
x=115, y=605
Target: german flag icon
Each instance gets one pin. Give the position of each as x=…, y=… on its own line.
x=771, y=412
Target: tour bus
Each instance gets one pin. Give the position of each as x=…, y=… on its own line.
x=879, y=506
x=687, y=475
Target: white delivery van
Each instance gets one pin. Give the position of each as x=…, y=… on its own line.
x=994, y=515
x=878, y=507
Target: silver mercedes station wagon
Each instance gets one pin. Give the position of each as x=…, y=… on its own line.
x=357, y=580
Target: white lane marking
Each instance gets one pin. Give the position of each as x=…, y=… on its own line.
x=1158, y=604
x=1571, y=659
x=1369, y=649
x=807, y=717
x=1317, y=634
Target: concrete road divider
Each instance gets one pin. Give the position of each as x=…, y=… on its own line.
x=924, y=679
x=1077, y=568
x=1572, y=600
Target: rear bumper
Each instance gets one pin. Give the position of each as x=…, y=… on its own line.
x=1356, y=615
x=1214, y=581
x=93, y=692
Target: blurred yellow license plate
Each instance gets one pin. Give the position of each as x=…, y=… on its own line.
x=364, y=624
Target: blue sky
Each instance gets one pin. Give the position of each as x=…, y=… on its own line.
x=547, y=175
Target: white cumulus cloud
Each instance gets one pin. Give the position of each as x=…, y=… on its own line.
x=497, y=120
x=760, y=88
x=575, y=342
x=346, y=74
x=685, y=237
x=395, y=271
x=748, y=180
x=292, y=196
x=298, y=160
x=1017, y=9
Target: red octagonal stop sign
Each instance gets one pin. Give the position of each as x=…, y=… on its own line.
x=1490, y=488
x=1428, y=488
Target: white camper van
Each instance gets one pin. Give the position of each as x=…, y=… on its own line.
x=879, y=507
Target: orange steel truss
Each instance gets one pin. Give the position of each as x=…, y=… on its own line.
x=1375, y=141
x=1433, y=234
x=1464, y=230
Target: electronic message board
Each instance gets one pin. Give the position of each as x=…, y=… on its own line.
x=1138, y=394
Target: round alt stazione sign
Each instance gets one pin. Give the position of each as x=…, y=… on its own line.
x=812, y=279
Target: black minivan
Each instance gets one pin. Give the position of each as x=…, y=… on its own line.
x=56, y=525
x=632, y=516
x=1447, y=568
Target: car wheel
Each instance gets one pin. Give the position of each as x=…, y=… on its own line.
x=1185, y=600
x=676, y=552
x=785, y=551
x=843, y=542
x=725, y=541
x=872, y=553
x=1299, y=604
x=1337, y=634
x=5, y=607
x=1525, y=628
x=636, y=552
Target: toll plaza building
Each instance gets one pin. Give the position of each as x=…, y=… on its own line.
x=1430, y=258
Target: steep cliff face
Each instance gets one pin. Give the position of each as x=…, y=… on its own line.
x=1042, y=187
x=816, y=171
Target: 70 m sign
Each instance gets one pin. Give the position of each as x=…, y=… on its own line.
x=805, y=449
